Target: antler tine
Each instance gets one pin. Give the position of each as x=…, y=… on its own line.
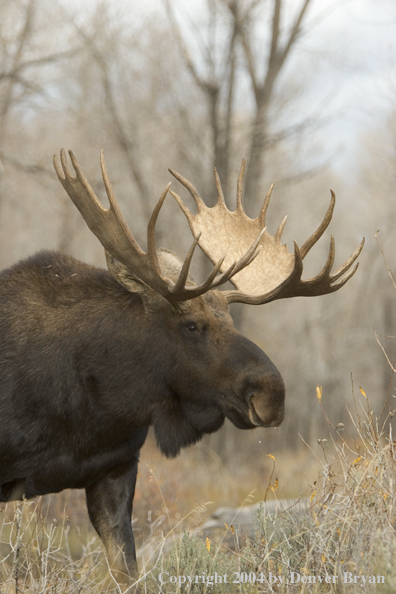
x=184, y=208
x=240, y=186
x=343, y=281
x=342, y=269
x=219, y=189
x=58, y=169
x=181, y=281
x=321, y=229
x=114, y=206
x=79, y=190
x=325, y=272
x=106, y=180
x=151, y=246
x=63, y=172
x=298, y=265
x=184, y=293
x=264, y=208
x=193, y=191
x=330, y=258
x=225, y=276
x=279, y=232
x=210, y=283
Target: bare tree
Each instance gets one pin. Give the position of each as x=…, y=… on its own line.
x=222, y=58
x=131, y=89
x=22, y=55
x=216, y=82
x=264, y=86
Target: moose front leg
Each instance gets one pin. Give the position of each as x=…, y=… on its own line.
x=109, y=502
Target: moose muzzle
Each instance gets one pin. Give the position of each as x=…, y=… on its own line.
x=266, y=401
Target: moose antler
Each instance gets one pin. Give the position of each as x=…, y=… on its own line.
x=275, y=273
x=110, y=228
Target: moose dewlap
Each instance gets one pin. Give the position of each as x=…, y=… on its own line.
x=89, y=358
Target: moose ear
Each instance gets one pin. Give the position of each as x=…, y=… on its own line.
x=123, y=275
x=170, y=263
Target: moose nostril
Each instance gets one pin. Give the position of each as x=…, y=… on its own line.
x=253, y=416
x=265, y=397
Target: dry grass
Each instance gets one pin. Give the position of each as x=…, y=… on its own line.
x=349, y=527
x=197, y=476
x=347, y=536
x=39, y=555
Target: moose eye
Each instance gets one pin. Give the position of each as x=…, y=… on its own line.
x=191, y=327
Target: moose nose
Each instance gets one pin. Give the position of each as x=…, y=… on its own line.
x=267, y=401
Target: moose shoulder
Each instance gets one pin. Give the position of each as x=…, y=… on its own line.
x=89, y=359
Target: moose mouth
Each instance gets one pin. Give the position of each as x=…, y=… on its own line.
x=242, y=414
x=253, y=416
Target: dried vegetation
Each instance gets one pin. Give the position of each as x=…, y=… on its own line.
x=346, y=530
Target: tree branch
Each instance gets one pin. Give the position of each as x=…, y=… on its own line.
x=15, y=61
x=126, y=143
x=38, y=62
x=275, y=33
x=295, y=30
x=183, y=49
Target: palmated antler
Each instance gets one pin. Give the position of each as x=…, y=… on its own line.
x=275, y=273
x=110, y=228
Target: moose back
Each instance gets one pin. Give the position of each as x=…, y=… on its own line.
x=89, y=358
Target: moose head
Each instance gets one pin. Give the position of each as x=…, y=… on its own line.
x=247, y=388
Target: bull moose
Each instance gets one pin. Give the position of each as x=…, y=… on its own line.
x=89, y=358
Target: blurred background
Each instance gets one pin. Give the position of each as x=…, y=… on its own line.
x=304, y=90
